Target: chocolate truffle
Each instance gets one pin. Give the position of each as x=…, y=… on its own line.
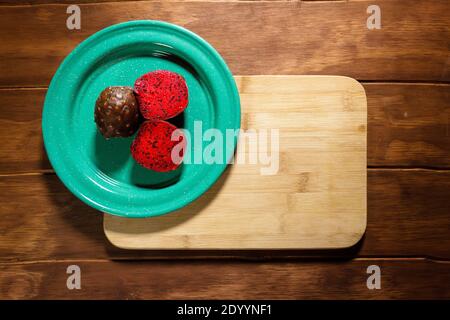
x=117, y=112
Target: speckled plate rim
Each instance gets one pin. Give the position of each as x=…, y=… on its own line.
x=98, y=190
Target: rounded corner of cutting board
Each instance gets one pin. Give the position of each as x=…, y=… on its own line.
x=355, y=239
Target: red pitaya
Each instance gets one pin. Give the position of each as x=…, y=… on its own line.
x=153, y=145
x=161, y=94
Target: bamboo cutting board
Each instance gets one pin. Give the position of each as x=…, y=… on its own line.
x=316, y=200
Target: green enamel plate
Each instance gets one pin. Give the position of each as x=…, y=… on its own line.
x=102, y=172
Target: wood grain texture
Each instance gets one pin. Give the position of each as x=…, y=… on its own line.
x=408, y=125
x=22, y=149
x=418, y=279
x=68, y=2
x=407, y=216
x=413, y=205
x=312, y=195
x=280, y=37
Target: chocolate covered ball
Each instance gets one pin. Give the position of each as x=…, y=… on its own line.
x=117, y=112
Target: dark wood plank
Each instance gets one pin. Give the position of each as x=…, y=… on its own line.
x=68, y=2
x=22, y=149
x=41, y=219
x=418, y=279
x=31, y=2
x=408, y=125
x=253, y=37
x=408, y=215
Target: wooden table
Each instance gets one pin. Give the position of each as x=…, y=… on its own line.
x=405, y=70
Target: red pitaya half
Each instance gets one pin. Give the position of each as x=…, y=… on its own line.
x=161, y=94
x=152, y=147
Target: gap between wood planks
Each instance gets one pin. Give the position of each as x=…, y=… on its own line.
x=381, y=82
x=407, y=168
x=369, y=168
x=293, y=259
